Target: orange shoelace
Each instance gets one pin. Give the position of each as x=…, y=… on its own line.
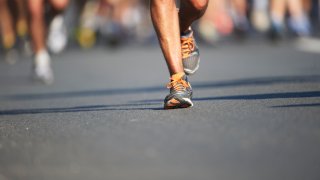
x=178, y=84
x=187, y=46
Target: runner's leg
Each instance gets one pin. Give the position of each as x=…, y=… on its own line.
x=59, y=5
x=278, y=10
x=37, y=25
x=42, y=61
x=6, y=25
x=191, y=10
x=166, y=22
x=22, y=22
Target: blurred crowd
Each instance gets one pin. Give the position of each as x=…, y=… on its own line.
x=43, y=27
x=276, y=19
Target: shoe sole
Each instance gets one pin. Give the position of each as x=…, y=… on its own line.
x=177, y=103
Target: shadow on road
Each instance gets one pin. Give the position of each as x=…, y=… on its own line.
x=80, y=109
x=298, y=105
x=205, y=85
x=149, y=104
x=135, y=106
x=285, y=95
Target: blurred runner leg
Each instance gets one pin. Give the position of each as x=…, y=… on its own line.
x=239, y=16
x=22, y=27
x=278, y=11
x=42, y=61
x=57, y=35
x=299, y=21
x=22, y=23
x=216, y=22
x=8, y=33
x=88, y=22
x=260, y=17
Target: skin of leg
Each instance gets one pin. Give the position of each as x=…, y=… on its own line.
x=122, y=7
x=278, y=8
x=37, y=24
x=166, y=23
x=118, y=10
x=240, y=6
x=296, y=8
x=217, y=14
x=21, y=24
x=307, y=4
x=212, y=5
x=105, y=8
x=59, y=5
x=21, y=11
x=191, y=10
x=6, y=21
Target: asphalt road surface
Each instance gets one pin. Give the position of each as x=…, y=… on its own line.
x=256, y=117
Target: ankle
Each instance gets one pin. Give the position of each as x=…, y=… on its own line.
x=42, y=56
x=179, y=75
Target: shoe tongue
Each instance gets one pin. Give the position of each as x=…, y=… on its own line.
x=178, y=76
x=187, y=34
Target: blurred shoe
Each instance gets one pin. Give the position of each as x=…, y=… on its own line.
x=143, y=30
x=260, y=15
x=25, y=47
x=57, y=38
x=300, y=25
x=308, y=44
x=86, y=37
x=180, y=93
x=9, y=44
x=131, y=19
x=24, y=44
x=208, y=32
x=112, y=33
x=89, y=23
x=276, y=33
x=260, y=20
x=11, y=56
x=190, y=53
x=22, y=28
x=42, y=68
x=8, y=40
x=277, y=29
x=241, y=26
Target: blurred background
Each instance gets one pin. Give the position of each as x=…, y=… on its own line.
x=256, y=95
x=114, y=23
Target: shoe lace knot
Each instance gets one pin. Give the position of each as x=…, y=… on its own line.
x=178, y=85
x=187, y=46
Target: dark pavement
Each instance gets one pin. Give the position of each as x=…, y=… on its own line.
x=256, y=117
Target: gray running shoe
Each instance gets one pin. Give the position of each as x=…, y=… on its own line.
x=180, y=93
x=190, y=54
